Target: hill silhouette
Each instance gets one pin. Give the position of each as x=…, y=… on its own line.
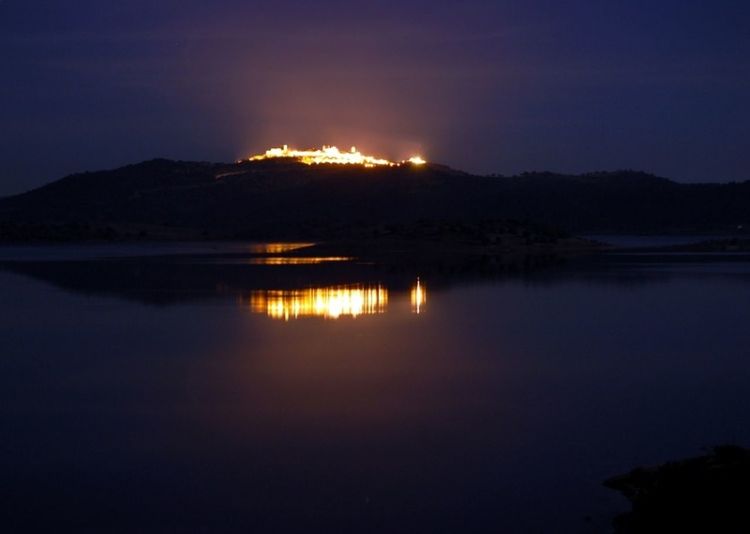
x=282, y=199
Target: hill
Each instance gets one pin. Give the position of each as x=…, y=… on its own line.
x=285, y=199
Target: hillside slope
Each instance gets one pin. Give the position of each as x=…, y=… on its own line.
x=279, y=198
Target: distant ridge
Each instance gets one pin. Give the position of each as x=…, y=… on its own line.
x=281, y=198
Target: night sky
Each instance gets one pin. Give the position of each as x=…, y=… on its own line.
x=485, y=86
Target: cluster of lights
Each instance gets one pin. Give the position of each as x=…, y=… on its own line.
x=332, y=155
x=329, y=302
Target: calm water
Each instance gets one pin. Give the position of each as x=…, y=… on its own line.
x=178, y=394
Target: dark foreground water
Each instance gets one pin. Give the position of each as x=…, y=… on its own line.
x=207, y=393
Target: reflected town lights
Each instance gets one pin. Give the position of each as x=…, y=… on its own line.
x=327, y=302
x=331, y=302
x=296, y=260
x=332, y=155
x=418, y=297
x=277, y=248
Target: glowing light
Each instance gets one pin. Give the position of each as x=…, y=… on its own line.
x=328, y=302
x=299, y=260
x=418, y=297
x=277, y=248
x=332, y=155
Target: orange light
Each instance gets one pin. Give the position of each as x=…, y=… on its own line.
x=296, y=260
x=327, y=302
x=418, y=297
x=331, y=155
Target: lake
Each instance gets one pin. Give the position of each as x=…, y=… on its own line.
x=194, y=388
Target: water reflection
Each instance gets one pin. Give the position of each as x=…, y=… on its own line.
x=290, y=260
x=418, y=297
x=327, y=302
x=277, y=248
x=222, y=420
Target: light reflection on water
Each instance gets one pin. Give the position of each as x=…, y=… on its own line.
x=300, y=260
x=95, y=250
x=277, y=248
x=329, y=302
x=418, y=297
x=501, y=411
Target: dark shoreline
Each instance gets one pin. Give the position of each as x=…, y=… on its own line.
x=708, y=493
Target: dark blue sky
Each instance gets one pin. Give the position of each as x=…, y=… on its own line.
x=486, y=86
